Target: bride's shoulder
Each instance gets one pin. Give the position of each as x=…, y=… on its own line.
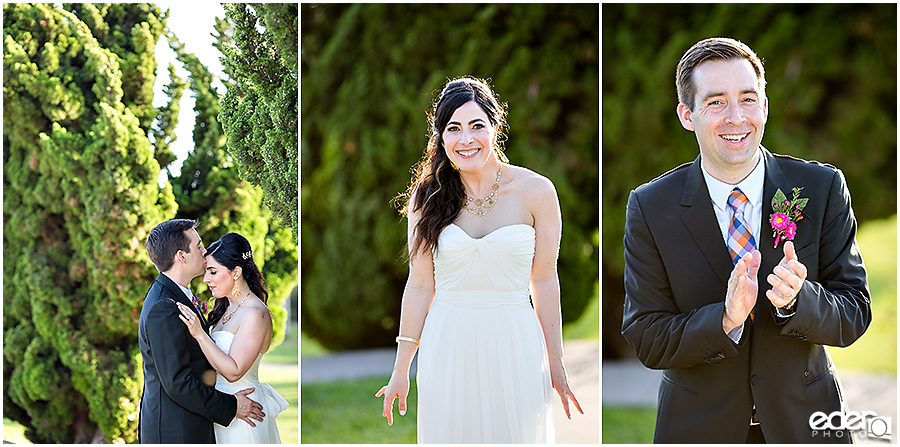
x=530, y=183
x=257, y=315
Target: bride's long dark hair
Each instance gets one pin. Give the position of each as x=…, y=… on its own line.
x=234, y=250
x=436, y=189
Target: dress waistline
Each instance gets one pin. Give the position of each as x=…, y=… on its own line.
x=482, y=298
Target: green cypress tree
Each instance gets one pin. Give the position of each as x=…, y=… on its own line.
x=80, y=196
x=259, y=111
x=210, y=190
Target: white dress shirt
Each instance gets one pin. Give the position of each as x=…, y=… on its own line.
x=184, y=289
x=752, y=187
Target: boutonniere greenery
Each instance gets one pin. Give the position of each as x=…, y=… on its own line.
x=786, y=214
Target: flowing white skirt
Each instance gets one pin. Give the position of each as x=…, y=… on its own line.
x=483, y=373
x=239, y=431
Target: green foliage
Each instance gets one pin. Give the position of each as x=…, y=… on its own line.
x=210, y=190
x=259, y=111
x=586, y=327
x=167, y=119
x=365, y=94
x=831, y=72
x=80, y=196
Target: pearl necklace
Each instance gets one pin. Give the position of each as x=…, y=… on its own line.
x=228, y=317
x=480, y=207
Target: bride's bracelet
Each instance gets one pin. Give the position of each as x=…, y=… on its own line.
x=409, y=339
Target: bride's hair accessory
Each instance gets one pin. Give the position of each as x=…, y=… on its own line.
x=247, y=255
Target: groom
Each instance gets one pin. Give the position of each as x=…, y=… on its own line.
x=737, y=318
x=179, y=403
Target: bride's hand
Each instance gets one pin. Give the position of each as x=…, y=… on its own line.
x=190, y=320
x=397, y=388
x=560, y=382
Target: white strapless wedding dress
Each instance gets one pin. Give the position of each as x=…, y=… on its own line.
x=483, y=373
x=239, y=431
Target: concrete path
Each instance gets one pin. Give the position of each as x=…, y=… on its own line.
x=630, y=384
x=582, y=365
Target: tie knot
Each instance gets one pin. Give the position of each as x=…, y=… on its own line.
x=737, y=199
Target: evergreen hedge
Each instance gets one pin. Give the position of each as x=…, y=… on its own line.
x=831, y=72
x=369, y=73
x=259, y=110
x=80, y=196
x=83, y=151
x=210, y=190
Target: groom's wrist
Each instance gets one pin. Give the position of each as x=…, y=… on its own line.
x=728, y=325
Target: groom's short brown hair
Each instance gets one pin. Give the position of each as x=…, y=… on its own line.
x=714, y=48
x=166, y=239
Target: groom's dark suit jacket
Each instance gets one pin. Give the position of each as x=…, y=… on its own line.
x=676, y=273
x=176, y=407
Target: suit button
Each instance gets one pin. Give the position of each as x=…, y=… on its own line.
x=754, y=379
x=805, y=373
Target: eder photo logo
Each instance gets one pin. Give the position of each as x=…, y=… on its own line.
x=834, y=425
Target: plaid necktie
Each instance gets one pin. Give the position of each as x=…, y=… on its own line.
x=740, y=239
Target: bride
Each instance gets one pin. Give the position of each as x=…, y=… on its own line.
x=240, y=333
x=481, y=304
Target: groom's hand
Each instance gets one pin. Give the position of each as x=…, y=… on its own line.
x=248, y=409
x=786, y=279
x=742, y=288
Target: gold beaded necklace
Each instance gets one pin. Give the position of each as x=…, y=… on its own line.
x=228, y=317
x=480, y=207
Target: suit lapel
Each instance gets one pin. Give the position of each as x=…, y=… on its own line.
x=700, y=221
x=180, y=297
x=775, y=179
x=771, y=255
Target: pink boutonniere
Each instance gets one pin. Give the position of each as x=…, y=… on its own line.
x=786, y=215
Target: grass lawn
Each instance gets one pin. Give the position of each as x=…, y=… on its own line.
x=876, y=350
x=347, y=412
x=286, y=352
x=285, y=382
x=623, y=425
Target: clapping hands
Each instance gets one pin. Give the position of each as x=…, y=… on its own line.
x=743, y=286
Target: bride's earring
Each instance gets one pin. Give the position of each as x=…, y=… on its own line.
x=234, y=290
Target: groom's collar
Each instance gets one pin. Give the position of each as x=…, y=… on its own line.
x=185, y=290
